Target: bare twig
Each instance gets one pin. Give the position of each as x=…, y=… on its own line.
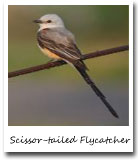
x=59, y=63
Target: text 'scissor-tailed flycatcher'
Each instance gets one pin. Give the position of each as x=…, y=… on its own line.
x=58, y=43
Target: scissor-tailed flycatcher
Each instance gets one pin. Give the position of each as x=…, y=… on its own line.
x=58, y=43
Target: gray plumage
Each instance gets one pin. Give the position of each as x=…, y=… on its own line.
x=61, y=42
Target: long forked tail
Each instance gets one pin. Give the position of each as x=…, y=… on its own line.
x=88, y=80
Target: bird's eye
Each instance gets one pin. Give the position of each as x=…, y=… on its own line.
x=49, y=21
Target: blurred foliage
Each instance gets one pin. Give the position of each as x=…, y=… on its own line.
x=95, y=28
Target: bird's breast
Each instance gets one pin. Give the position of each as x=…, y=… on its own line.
x=49, y=53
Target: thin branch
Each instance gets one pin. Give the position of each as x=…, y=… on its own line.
x=59, y=63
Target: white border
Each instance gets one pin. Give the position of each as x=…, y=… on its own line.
x=69, y=2
x=93, y=131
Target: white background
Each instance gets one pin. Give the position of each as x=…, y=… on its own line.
x=38, y=156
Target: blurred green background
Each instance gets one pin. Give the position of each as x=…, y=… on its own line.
x=59, y=96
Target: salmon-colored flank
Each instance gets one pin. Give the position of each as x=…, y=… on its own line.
x=50, y=54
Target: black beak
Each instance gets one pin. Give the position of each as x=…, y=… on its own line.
x=37, y=21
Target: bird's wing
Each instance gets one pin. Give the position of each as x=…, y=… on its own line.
x=59, y=42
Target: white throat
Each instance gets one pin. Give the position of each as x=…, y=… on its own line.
x=44, y=26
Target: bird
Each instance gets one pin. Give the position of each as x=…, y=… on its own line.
x=58, y=43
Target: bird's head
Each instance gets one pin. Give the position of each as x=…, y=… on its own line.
x=49, y=21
